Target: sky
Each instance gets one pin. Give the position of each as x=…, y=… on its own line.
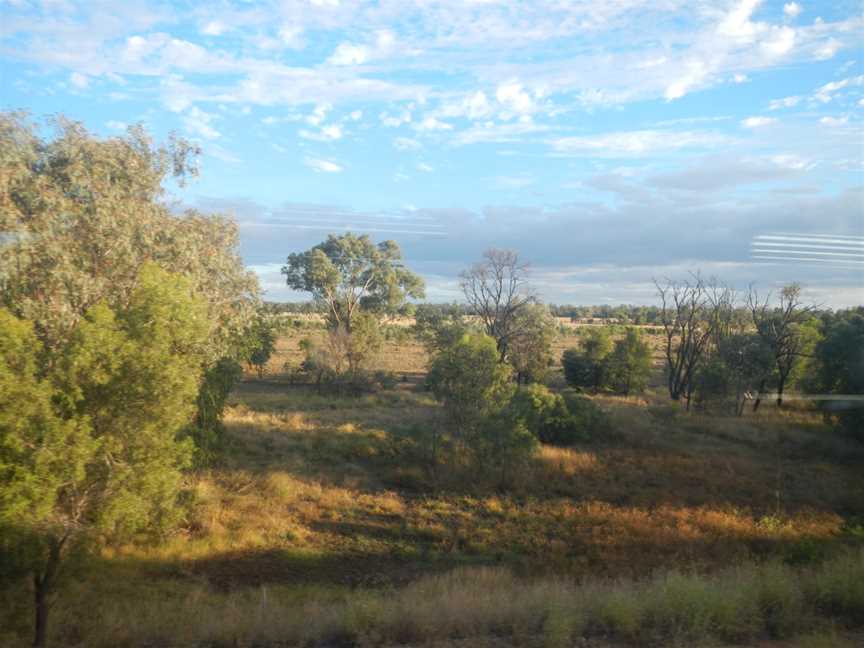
x=609, y=143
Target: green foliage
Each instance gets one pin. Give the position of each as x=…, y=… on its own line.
x=741, y=363
x=438, y=326
x=530, y=348
x=586, y=368
x=132, y=376
x=838, y=368
x=109, y=192
x=628, y=367
x=206, y=430
x=475, y=389
x=470, y=381
x=347, y=273
x=586, y=417
x=623, y=367
x=94, y=448
x=40, y=451
x=260, y=342
x=547, y=416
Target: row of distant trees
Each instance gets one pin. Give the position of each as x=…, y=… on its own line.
x=624, y=313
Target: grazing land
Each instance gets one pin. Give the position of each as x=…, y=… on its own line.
x=319, y=525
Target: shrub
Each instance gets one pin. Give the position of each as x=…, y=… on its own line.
x=585, y=416
x=546, y=415
x=629, y=365
x=475, y=388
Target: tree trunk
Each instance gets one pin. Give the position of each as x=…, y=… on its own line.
x=40, y=600
x=42, y=585
x=758, y=396
x=780, y=384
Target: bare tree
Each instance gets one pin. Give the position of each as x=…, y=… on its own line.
x=693, y=312
x=781, y=330
x=497, y=289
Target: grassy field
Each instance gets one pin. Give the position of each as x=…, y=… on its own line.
x=320, y=526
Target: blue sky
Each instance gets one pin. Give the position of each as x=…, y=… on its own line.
x=609, y=142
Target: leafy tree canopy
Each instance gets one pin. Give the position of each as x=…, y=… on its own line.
x=350, y=272
x=80, y=216
x=92, y=443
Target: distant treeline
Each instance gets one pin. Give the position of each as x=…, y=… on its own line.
x=623, y=313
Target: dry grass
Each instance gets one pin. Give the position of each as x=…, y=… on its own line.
x=476, y=605
x=319, y=494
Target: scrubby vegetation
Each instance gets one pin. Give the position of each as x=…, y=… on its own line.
x=382, y=474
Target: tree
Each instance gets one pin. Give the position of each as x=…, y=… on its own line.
x=260, y=343
x=748, y=361
x=348, y=273
x=497, y=290
x=839, y=370
x=784, y=330
x=548, y=416
x=629, y=365
x=530, y=351
x=80, y=216
x=586, y=368
x=438, y=326
x=692, y=312
x=475, y=388
x=97, y=450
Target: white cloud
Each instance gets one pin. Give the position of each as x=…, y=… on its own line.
x=291, y=36
x=834, y=121
x=116, y=125
x=695, y=72
x=80, y=81
x=828, y=49
x=780, y=41
x=826, y=92
x=491, y=131
x=319, y=114
x=329, y=133
x=433, y=124
x=322, y=166
x=740, y=78
x=199, y=122
x=394, y=121
x=627, y=143
x=407, y=144
x=349, y=54
x=785, y=102
x=758, y=122
x=213, y=28
x=513, y=97
x=792, y=9
x=422, y=166
x=477, y=105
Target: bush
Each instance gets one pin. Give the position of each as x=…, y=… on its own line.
x=592, y=421
x=628, y=367
x=547, y=417
x=475, y=389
